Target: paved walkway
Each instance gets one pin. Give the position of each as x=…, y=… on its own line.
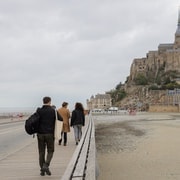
x=24, y=165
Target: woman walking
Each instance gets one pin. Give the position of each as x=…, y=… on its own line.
x=77, y=121
x=65, y=114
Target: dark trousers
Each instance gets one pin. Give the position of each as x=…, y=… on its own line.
x=45, y=141
x=64, y=136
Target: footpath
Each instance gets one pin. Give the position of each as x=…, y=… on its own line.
x=24, y=164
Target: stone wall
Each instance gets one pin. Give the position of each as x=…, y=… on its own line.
x=156, y=108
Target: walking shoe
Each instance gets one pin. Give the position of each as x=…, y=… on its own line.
x=60, y=141
x=48, y=172
x=45, y=169
x=65, y=144
x=42, y=173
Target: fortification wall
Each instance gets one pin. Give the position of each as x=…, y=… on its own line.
x=156, y=108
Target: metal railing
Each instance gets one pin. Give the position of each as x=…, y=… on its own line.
x=83, y=162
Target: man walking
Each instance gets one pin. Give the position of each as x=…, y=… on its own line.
x=45, y=135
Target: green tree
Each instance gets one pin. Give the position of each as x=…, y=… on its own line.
x=118, y=86
x=141, y=80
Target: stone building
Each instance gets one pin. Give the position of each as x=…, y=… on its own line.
x=154, y=67
x=167, y=57
x=99, y=101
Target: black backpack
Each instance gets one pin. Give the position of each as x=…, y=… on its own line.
x=32, y=124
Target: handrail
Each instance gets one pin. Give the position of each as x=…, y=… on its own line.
x=83, y=162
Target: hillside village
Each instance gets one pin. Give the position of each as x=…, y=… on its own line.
x=153, y=83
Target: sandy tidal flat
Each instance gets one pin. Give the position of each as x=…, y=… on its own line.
x=141, y=147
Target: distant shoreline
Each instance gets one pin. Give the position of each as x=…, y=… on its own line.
x=10, y=118
x=10, y=110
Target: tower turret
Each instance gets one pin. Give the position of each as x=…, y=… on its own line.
x=177, y=34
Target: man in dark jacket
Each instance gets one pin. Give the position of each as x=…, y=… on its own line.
x=45, y=135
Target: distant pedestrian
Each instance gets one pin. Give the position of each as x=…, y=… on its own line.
x=45, y=135
x=65, y=114
x=77, y=121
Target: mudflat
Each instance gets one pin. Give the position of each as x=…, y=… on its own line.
x=145, y=146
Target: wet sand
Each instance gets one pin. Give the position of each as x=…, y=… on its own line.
x=141, y=147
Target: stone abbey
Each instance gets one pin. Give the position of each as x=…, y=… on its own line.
x=167, y=57
x=160, y=69
x=156, y=67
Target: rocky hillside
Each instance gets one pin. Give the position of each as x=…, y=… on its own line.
x=150, y=77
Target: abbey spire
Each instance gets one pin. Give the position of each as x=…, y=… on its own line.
x=179, y=17
x=178, y=25
x=177, y=34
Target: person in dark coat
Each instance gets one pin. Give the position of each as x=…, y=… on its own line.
x=45, y=135
x=77, y=121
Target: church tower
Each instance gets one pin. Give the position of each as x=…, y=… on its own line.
x=177, y=34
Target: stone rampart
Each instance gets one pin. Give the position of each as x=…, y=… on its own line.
x=158, y=108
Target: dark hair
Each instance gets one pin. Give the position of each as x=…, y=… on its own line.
x=64, y=104
x=46, y=100
x=53, y=106
x=79, y=106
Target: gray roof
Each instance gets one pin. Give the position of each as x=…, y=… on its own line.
x=166, y=46
x=103, y=96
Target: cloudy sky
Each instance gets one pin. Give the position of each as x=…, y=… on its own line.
x=73, y=49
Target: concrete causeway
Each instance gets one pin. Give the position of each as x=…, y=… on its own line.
x=24, y=164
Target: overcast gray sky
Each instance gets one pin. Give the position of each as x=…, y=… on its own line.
x=72, y=49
